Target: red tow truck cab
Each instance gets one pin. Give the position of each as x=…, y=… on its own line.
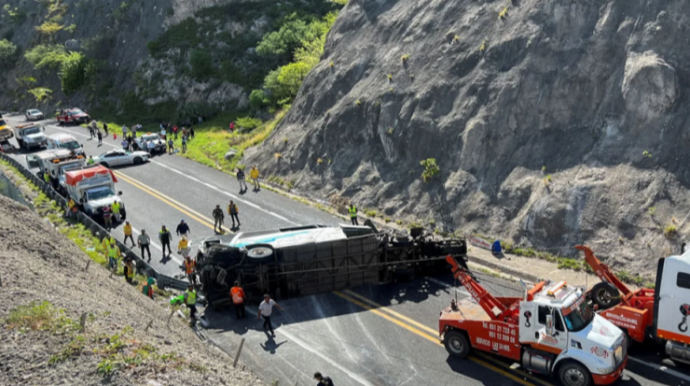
x=73, y=115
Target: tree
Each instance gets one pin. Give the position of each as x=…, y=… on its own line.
x=41, y=93
x=72, y=72
x=46, y=56
x=8, y=53
x=49, y=29
x=202, y=64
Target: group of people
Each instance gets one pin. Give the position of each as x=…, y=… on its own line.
x=186, y=134
x=254, y=174
x=219, y=217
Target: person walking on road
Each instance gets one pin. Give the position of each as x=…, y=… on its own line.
x=218, y=216
x=233, y=211
x=353, y=214
x=100, y=138
x=190, y=269
x=128, y=233
x=265, y=311
x=129, y=271
x=240, y=179
x=190, y=301
x=144, y=241
x=238, y=297
x=323, y=381
x=254, y=174
x=183, y=229
x=107, y=218
x=105, y=128
x=113, y=255
x=165, y=237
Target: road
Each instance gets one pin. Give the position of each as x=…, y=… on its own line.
x=370, y=336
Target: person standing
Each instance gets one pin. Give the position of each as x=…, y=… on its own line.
x=148, y=287
x=124, y=131
x=190, y=301
x=353, y=214
x=134, y=131
x=265, y=311
x=174, y=130
x=105, y=128
x=129, y=271
x=190, y=269
x=184, y=144
x=107, y=218
x=165, y=237
x=71, y=208
x=171, y=145
x=323, y=381
x=183, y=229
x=233, y=211
x=144, y=241
x=90, y=161
x=91, y=131
x=254, y=174
x=232, y=127
x=151, y=147
x=240, y=179
x=100, y=138
x=128, y=233
x=238, y=297
x=113, y=255
x=116, y=211
x=218, y=216
x=191, y=131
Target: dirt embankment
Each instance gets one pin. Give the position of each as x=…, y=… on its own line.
x=46, y=290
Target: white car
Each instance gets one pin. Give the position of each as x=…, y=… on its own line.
x=142, y=142
x=119, y=157
x=34, y=115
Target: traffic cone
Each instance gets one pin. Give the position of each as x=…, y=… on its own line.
x=114, y=136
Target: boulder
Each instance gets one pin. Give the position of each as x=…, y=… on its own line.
x=650, y=85
x=230, y=154
x=73, y=45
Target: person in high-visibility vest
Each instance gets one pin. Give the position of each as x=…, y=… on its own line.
x=353, y=214
x=105, y=243
x=71, y=208
x=90, y=161
x=129, y=271
x=254, y=174
x=46, y=177
x=128, y=233
x=113, y=255
x=190, y=269
x=116, y=210
x=183, y=246
x=233, y=211
x=238, y=297
x=148, y=287
x=190, y=301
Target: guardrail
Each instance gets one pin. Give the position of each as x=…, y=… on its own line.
x=142, y=266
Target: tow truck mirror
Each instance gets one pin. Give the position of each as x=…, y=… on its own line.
x=549, y=324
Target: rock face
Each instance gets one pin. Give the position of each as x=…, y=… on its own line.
x=557, y=124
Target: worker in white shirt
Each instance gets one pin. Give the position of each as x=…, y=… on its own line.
x=265, y=311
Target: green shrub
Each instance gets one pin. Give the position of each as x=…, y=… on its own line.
x=651, y=211
x=431, y=169
x=202, y=64
x=72, y=73
x=248, y=123
x=8, y=52
x=41, y=316
x=230, y=72
x=48, y=56
x=258, y=99
x=670, y=231
x=41, y=94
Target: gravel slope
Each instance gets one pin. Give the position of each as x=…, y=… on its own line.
x=39, y=264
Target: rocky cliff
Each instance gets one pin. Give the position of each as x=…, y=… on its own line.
x=552, y=123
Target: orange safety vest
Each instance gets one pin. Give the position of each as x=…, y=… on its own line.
x=237, y=295
x=189, y=266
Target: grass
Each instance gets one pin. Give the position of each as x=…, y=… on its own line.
x=40, y=316
x=670, y=231
x=405, y=58
x=331, y=64
x=390, y=77
x=503, y=14
x=646, y=154
x=651, y=211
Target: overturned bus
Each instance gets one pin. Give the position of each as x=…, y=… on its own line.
x=314, y=259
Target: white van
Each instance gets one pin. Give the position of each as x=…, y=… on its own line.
x=65, y=141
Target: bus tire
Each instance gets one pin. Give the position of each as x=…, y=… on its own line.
x=260, y=253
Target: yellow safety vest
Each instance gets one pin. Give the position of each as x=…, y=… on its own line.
x=129, y=271
x=115, y=207
x=191, y=297
x=46, y=177
x=114, y=252
x=353, y=211
x=106, y=242
x=71, y=204
x=128, y=230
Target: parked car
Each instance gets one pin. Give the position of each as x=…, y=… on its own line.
x=74, y=116
x=142, y=142
x=34, y=115
x=119, y=157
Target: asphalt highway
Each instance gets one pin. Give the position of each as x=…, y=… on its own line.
x=366, y=336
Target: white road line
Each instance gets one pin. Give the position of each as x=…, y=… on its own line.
x=276, y=215
x=662, y=369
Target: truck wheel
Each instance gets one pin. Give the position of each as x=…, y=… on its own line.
x=456, y=344
x=574, y=374
x=260, y=253
x=605, y=295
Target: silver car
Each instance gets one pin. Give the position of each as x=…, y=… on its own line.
x=34, y=115
x=120, y=157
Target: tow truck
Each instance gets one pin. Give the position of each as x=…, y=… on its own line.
x=637, y=312
x=551, y=330
x=54, y=162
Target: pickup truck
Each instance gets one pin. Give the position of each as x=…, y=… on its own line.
x=73, y=115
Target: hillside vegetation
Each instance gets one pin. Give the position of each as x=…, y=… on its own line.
x=542, y=123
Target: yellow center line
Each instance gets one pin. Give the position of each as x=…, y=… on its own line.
x=381, y=311
x=168, y=200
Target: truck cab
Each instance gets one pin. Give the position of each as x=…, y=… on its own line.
x=93, y=187
x=551, y=330
x=30, y=136
x=64, y=141
x=49, y=161
x=5, y=131
x=673, y=305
